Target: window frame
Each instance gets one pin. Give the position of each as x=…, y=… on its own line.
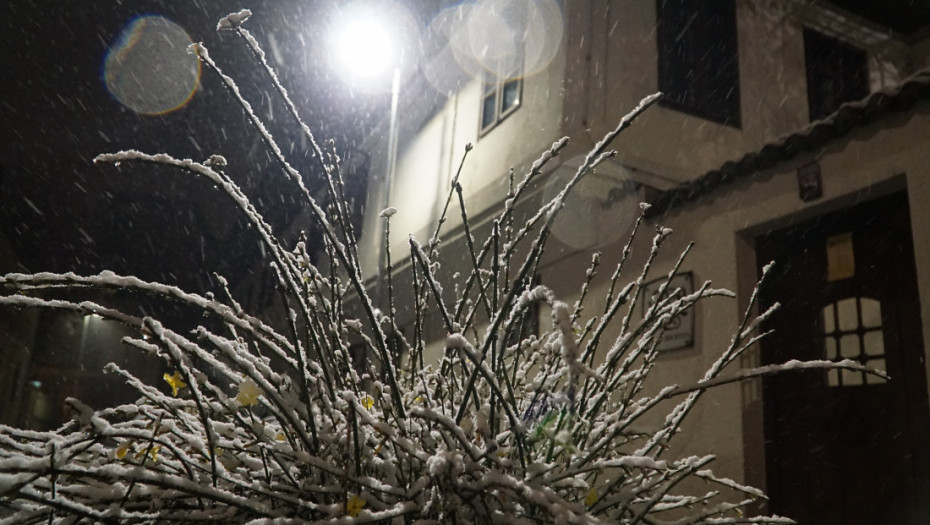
x=674, y=83
x=834, y=328
x=824, y=58
x=493, y=86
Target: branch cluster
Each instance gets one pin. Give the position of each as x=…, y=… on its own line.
x=262, y=424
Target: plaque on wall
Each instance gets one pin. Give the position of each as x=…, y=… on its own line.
x=679, y=330
x=810, y=184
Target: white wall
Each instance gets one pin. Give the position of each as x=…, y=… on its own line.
x=612, y=64
x=606, y=64
x=592, y=83
x=429, y=156
x=873, y=161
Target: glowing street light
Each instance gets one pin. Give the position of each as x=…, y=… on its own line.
x=366, y=49
x=370, y=39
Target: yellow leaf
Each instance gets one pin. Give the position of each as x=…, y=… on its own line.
x=591, y=498
x=153, y=453
x=123, y=450
x=279, y=436
x=368, y=402
x=175, y=381
x=248, y=393
x=354, y=505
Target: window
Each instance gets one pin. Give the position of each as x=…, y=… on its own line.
x=698, y=59
x=837, y=72
x=500, y=98
x=852, y=329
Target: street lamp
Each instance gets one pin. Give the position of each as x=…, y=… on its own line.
x=365, y=48
x=369, y=40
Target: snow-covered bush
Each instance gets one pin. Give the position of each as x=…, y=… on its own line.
x=260, y=424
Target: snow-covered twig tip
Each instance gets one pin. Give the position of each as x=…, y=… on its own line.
x=233, y=20
x=306, y=413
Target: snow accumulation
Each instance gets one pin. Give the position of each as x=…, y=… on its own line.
x=261, y=425
x=233, y=20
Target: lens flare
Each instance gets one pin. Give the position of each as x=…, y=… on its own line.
x=605, y=195
x=149, y=69
x=497, y=38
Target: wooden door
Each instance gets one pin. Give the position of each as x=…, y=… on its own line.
x=844, y=447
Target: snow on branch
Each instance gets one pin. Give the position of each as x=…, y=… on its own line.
x=260, y=424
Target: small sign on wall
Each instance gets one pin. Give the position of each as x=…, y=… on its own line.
x=679, y=331
x=841, y=257
x=810, y=184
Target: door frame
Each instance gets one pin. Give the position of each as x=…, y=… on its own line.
x=754, y=452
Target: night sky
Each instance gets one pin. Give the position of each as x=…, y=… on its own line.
x=60, y=212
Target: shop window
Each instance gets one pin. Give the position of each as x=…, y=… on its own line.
x=698, y=58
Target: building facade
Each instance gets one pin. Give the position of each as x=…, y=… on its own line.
x=789, y=131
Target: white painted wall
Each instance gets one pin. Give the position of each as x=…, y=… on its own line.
x=606, y=65
x=871, y=162
x=612, y=64
x=429, y=157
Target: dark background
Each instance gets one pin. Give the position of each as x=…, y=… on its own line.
x=60, y=212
